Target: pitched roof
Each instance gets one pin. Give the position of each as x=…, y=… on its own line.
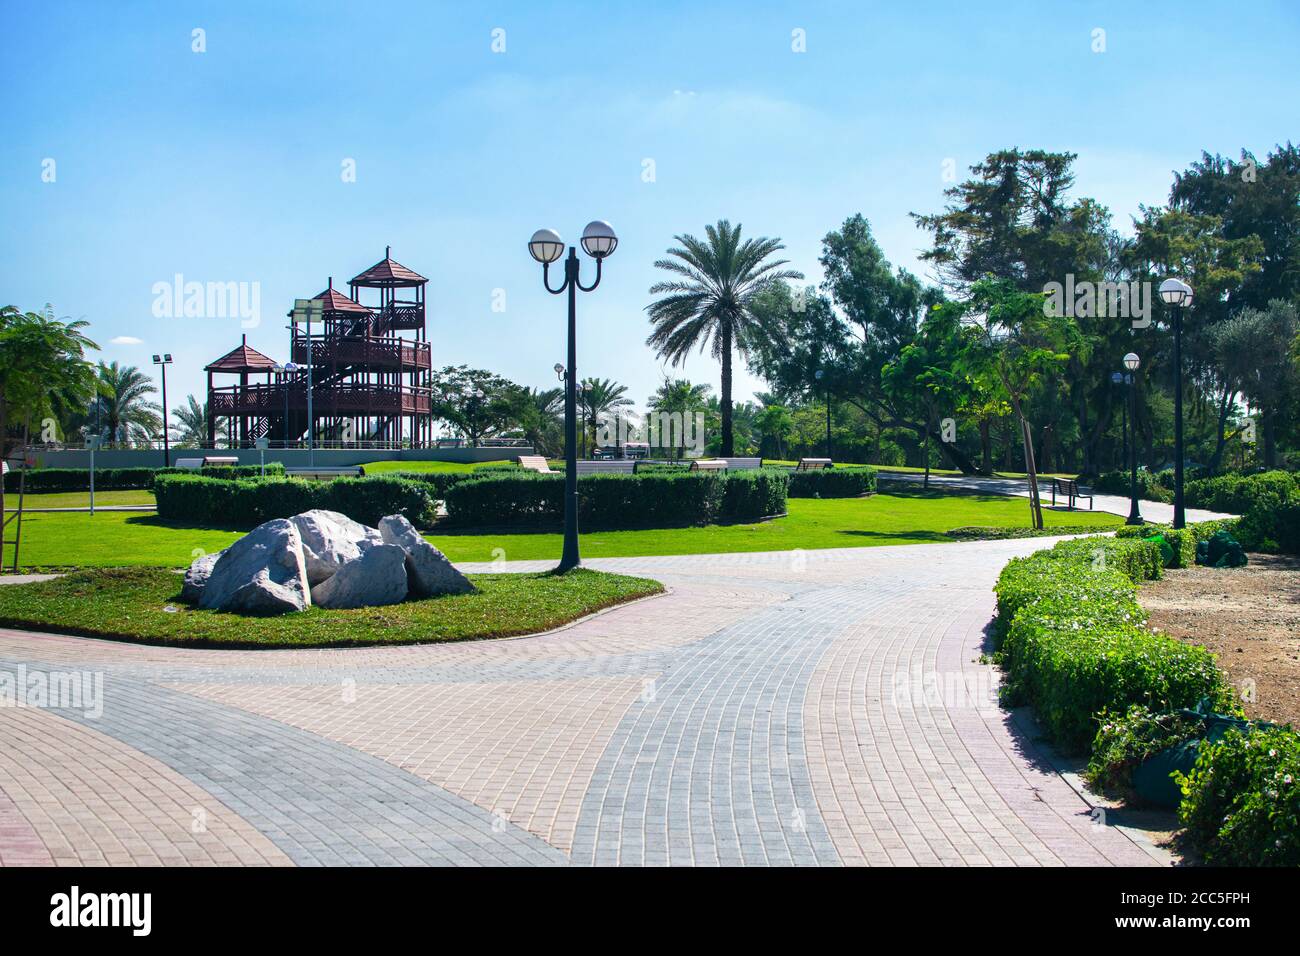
x=336, y=301
x=245, y=358
x=387, y=272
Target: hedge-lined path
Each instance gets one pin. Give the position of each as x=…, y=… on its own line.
x=820, y=707
x=1155, y=512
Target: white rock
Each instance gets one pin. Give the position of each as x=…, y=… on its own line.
x=263, y=572
x=429, y=571
x=376, y=577
x=197, y=577
x=330, y=540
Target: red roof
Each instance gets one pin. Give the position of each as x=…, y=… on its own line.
x=336, y=301
x=386, y=272
x=243, y=359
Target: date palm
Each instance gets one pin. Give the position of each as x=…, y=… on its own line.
x=708, y=304
x=191, y=423
x=122, y=410
x=601, y=398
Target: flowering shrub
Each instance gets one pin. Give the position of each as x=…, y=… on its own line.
x=1126, y=739
x=1241, y=802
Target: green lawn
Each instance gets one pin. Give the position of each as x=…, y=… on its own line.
x=141, y=604
x=79, y=499
x=903, y=517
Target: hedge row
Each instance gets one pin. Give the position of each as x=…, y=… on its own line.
x=1121, y=483
x=1182, y=543
x=1074, y=644
x=1236, y=494
x=618, y=501
x=843, y=481
x=245, y=503
x=122, y=479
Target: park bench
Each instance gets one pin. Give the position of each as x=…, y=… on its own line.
x=219, y=461
x=709, y=464
x=607, y=467
x=192, y=463
x=743, y=464
x=813, y=464
x=324, y=474
x=535, y=463
x=1069, y=489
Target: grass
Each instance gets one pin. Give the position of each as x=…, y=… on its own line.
x=79, y=499
x=141, y=604
x=905, y=516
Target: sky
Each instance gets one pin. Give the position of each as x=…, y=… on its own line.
x=129, y=157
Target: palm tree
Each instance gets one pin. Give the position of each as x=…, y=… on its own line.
x=120, y=411
x=191, y=423
x=542, y=425
x=710, y=304
x=679, y=396
x=601, y=397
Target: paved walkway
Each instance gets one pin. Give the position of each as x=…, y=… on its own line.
x=822, y=707
x=1153, y=511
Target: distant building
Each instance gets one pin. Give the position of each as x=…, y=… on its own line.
x=370, y=382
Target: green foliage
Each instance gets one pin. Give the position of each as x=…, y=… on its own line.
x=1181, y=544
x=842, y=481
x=245, y=503
x=1236, y=494
x=122, y=479
x=1119, y=483
x=1074, y=641
x=1241, y=802
x=1126, y=739
x=619, y=501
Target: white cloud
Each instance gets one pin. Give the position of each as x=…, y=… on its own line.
x=125, y=340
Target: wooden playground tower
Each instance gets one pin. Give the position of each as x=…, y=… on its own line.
x=369, y=382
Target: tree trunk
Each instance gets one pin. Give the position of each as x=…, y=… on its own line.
x=929, y=416
x=1269, y=421
x=1224, y=404
x=728, y=444
x=986, y=447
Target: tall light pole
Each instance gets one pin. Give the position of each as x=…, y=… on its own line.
x=304, y=310
x=287, y=369
x=1176, y=294
x=163, y=361
x=546, y=246
x=1132, y=362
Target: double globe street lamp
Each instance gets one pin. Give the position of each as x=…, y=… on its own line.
x=546, y=246
x=1177, y=294
x=1129, y=378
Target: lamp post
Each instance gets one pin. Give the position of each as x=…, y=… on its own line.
x=163, y=361
x=304, y=310
x=546, y=246
x=819, y=375
x=1131, y=362
x=1176, y=294
x=287, y=369
x=1122, y=378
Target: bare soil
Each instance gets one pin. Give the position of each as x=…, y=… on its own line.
x=1249, y=617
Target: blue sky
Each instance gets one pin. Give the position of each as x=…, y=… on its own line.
x=225, y=165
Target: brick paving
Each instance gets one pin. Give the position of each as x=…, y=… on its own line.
x=794, y=708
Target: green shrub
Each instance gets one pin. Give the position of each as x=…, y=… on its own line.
x=1271, y=524
x=1182, y=543
x=120, y=479
x=845, y=481
x=1073, y=641
x=609, y=501
x=1241, y=802
x=1236, y=494
x=1126, y=739
x=244, y=503
x=1120, y=483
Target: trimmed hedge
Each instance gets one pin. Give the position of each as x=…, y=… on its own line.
x=123, y=479
x=1241, y=802
x=1236, y=494
x=1073, y=640
x=245, y=503
x=1120, y=483
x=841, y=482
x=619, y=501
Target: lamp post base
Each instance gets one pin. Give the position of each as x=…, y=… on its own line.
x=1135, y=518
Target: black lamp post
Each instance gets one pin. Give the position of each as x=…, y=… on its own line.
x=163, y=361
x=1129, y=378
x=546, y=246
x=1176, y=294
x=819, y=375
x=1120, y=378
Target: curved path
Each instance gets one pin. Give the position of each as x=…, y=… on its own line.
x=821, y=707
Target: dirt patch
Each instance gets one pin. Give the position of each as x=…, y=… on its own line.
x=1249, y=617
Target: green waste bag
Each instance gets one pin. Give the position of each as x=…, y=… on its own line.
x=1221, y=550
x=1166, y=549
x=1153, y=778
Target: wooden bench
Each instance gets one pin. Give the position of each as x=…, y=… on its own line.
x=535, y=463
x=709, y=464
x=1069, y=489
x=743, y=464
x=813, y=464
x=218, y=461
x=324, y=474
x=191, y=463
x=612, y=466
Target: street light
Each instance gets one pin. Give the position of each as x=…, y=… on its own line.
x=1132, y=362
x=1120, y=378
x=304, y=310
x=287, y=369
x=1177, y=294
x=546, y=246
x=819, y=375
x=163, y=361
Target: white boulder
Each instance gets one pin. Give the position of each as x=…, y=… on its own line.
x=376, y=577
x=263, y=572
x=330, y=540
x=428, y=570
x=197, y=577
